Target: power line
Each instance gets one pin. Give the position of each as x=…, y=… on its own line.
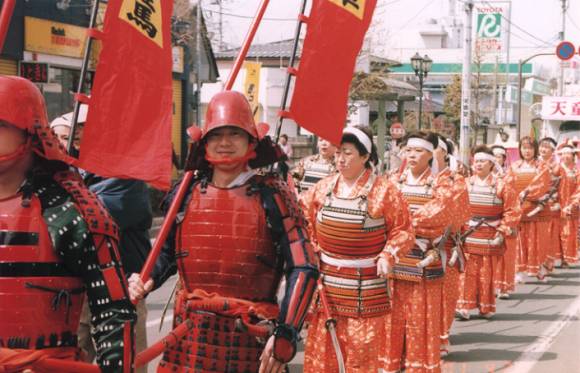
x=572, y=20
x=413, y=18
x=252, y=17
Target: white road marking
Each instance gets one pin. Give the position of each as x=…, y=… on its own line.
x=531, y=355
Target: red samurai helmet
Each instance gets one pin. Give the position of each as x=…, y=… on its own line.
x=232, y=109
x=22, y=106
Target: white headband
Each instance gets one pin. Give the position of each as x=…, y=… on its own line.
x=442, y=144
x=484, y=157
x=498, y=151
x=415, y=142
x=360, y=136
x=566, y=150
x=550, y=143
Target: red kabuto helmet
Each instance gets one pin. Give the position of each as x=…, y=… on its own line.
x=230, y=108
x=22, y=106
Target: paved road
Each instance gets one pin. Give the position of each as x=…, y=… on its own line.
x=536, y=331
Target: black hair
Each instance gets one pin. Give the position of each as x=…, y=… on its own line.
x=427, y=136
x=352, y=139
x=500, y=147
x=284, y=136
x=530, y=141
x=550, y=140
x=482, y=149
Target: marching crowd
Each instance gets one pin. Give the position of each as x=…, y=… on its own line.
x=376, y=265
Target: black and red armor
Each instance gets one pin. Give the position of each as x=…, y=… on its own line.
x=234, y=245
x=56, y=243
x=30, y=274
x=226, y=246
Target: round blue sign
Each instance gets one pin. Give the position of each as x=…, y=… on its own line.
x=565, y=50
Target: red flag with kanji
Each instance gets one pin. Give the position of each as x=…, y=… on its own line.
x=128, y=129
x=335, y=33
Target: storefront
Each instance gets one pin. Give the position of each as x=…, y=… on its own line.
x=61, y=46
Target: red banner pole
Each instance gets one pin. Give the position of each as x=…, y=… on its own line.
x=188, y=176
x=5, y=17
x=246, y=46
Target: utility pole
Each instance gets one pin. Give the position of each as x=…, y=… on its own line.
x=221, y=26
x=562, y=37
x=507, y=57
x=466, y=84
x=494, y=94
x=198, y=63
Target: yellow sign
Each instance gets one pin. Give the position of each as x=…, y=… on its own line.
x=55, y=38
x=252, y=85
x=145, y=17
x=356, y=7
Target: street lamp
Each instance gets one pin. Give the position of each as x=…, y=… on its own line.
x=422, y=66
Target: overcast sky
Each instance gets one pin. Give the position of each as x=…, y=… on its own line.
x=541, y=19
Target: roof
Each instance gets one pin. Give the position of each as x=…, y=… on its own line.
x=400, y=87
x=277, y=49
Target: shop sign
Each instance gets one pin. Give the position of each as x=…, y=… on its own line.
x=49, y=37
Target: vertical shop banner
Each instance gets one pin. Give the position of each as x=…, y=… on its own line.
x=252, y=86
x=489, y=30
x=334, y=37
x=128, y=129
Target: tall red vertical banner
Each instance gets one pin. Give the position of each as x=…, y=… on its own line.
x=128, y=129
x=334, y=37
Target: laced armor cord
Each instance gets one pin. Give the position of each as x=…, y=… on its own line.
x=288, y=227
x=88, y=246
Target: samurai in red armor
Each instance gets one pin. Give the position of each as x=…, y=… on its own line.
x=237, y=234
x=56, y=243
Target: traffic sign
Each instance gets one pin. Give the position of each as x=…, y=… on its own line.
x=565, y=50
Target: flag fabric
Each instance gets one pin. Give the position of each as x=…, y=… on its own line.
x=252, y=86
x=128, y=129
x=334, y=37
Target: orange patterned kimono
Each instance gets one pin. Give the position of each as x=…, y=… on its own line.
x=495, y=202
x=461, y=214
x=505, y=275
x=553, y=248
x=534, y=179
x=414, y=327
x=351, y=229
x=568, y=193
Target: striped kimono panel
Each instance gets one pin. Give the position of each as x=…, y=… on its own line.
x=406, y=268
x=313, y=173
x=485, y=204
x=350, y=239
x=523, y=177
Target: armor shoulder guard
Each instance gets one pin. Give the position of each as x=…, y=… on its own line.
x=285, y=199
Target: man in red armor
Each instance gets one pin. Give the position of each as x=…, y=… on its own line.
x=237, y=234
x=56, y=242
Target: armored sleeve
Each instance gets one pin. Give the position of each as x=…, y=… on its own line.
x=84, y=237
x=301, y=265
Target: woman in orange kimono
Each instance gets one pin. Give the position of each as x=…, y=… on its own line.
x=415, y=323
x=505, y=276
x=569, y=194
x=361, y=226
x=532, y=182
x=547, y=149
x=453, y=251
x=495, y=215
